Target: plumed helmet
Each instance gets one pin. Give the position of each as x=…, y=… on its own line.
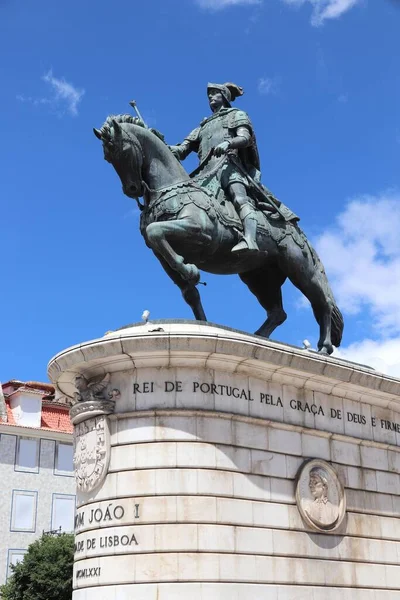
x=230, y=91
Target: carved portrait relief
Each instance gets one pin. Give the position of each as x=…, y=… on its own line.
x=320, y=496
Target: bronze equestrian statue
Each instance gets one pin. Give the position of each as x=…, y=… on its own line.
x=220, y=219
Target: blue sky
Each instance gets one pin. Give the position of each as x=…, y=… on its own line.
x=322, y=86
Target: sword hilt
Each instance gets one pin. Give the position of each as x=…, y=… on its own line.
x=137, y=111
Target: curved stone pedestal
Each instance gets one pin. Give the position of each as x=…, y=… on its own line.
x=189, y=488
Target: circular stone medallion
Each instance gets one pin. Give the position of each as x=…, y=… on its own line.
x=320, y=496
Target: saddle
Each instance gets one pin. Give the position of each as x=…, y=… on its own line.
x=204, y=190
x=168, y=203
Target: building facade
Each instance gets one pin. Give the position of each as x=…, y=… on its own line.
x=36, y=467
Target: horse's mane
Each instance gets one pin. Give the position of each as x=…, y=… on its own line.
x=108, y=124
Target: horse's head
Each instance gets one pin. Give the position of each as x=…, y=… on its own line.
x=123, y=150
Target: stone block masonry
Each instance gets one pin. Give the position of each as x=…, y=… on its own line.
x=188, y=467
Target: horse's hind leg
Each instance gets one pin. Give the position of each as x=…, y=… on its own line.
x=189, y=291
x=322, y=307
x=265, y=283
x=305, y=275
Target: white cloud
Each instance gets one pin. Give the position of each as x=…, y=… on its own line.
x=382, y=355
x=321, y=9
x=325, y=9
x=268, y=85
x=30, y=100
x=361, y=254
x=220, y=4
x=64, y=93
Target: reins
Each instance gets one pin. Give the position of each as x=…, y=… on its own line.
x=191, y=182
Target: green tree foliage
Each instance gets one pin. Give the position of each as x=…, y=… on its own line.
x=45, y=573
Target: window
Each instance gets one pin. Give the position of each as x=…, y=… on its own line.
x=27, y=410
x=23, y=512
x=14, y=557
x=63, y=513
x=27, y=455
x=64, y=459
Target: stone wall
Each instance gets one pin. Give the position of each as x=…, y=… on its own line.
x=205, y=444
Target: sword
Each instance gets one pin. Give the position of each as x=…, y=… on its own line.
x=137, y=111
x=151, y=129
x=260, y=189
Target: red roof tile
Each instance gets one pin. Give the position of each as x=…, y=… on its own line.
x=38, y=386
x=54, y=419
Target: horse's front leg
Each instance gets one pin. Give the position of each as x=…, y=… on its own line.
x=189, y=290
x=162, y=235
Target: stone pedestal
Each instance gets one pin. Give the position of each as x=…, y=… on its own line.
x=212, y=464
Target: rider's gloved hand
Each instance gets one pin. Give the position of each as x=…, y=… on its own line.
x=176, y=151
x=221, y=148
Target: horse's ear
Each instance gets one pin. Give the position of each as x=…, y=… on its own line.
x=117, y=129
x=97, y=133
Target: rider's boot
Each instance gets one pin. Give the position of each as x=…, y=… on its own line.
x=249, y=219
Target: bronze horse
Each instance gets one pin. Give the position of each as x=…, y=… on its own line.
x=186, y=229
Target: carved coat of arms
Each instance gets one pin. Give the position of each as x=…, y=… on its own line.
x=91, y=452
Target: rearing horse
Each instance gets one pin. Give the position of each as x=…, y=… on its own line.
x=182, y=223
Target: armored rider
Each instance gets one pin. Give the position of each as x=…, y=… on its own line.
x=228, y=130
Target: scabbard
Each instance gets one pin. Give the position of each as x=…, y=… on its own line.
x=256, y=185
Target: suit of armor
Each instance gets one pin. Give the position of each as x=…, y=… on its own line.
x=228, y=129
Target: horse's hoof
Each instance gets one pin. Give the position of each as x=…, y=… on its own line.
x=326, y=351
x=191, y=274
x=260, y=332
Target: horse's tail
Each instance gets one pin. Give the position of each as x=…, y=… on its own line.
x=337, y=322
x=337, y=325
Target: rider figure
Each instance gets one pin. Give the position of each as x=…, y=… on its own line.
x=228, y=129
